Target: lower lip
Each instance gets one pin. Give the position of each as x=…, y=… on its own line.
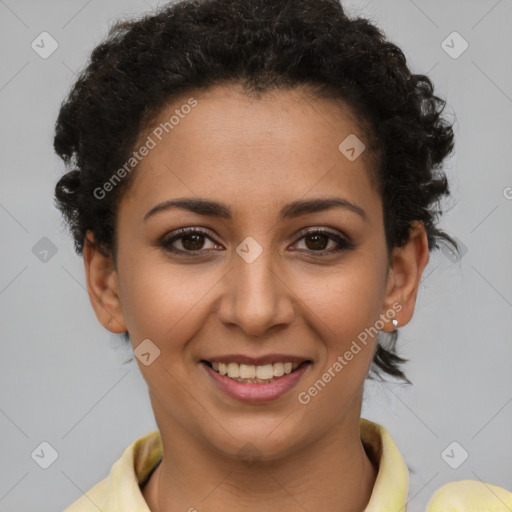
x=253, y=392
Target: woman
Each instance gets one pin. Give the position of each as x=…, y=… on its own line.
x=251, y=185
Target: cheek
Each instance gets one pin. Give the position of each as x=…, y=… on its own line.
x=162, y=301
x=345, y=301
x=344, y=317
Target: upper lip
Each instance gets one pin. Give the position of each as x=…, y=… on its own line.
x=257, y=361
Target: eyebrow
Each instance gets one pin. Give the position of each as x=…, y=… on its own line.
x=295, y=209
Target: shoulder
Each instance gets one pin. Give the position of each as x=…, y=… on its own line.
x=95, y=499
x=120, y=491
x=470, y=495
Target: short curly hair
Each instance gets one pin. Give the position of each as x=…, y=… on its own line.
x=145, y=63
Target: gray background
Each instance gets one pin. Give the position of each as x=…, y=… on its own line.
x=62, y=377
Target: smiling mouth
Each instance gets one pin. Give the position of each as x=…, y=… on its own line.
x=255, y=374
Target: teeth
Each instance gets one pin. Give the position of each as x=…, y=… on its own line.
x=247, y=371
x=265, y=372
x=278, y=369
x=233, y=370
x=250, y=372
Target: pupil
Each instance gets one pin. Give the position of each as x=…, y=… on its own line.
x=315, y=244
x=194, y=237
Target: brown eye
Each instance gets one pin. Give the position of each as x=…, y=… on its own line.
x=317, y=242
x=192, y=240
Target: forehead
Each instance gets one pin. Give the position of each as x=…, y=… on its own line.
x=252, y=152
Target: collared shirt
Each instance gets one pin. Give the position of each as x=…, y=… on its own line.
x=121, y=490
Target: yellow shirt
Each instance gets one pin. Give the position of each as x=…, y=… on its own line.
x=120, y=491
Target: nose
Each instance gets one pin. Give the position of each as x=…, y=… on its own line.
x=256, y=297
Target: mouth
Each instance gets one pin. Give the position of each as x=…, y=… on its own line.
x=255, y=373
x=256, y=380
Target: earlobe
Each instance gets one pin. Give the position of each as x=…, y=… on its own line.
x=408, y=264
x=102, y=286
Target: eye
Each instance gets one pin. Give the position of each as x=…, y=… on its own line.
x=317, y=240
x=192, y=241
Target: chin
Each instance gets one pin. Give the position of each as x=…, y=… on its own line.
x=254, y=440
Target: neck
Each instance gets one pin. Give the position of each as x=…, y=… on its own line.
x=331, y=473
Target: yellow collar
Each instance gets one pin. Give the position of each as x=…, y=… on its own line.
x=392, y=484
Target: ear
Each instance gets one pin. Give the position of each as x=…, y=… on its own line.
x=406, y=269
x=102, y=286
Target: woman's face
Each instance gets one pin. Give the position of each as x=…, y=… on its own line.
x=258, y=280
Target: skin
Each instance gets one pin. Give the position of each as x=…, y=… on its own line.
x=255, y=155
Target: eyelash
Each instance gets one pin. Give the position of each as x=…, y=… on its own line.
x=166, y=241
